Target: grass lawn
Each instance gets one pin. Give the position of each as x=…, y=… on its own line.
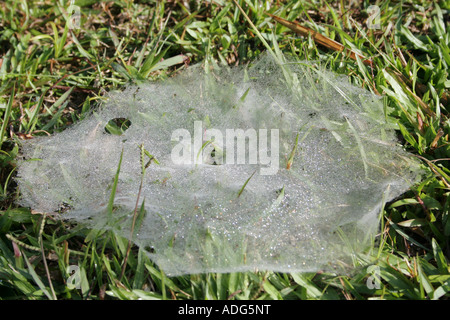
x=58, y=61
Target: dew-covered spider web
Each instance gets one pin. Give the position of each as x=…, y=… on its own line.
x=306, y=197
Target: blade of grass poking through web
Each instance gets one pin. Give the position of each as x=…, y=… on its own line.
x=245, y=184
x=273, y=207
x=7, y=114
x=406, y=236
x=114, y=188
x=277, y=55
x=56, y=105
x=135, y=213
x=293, y=152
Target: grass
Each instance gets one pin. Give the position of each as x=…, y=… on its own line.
x=52, y=76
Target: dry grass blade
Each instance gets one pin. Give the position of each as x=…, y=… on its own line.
x=319, y=38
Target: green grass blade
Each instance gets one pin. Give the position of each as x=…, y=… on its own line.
x=7, y=115
x=114, y=188
x=37, y=279
x=245, y=184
